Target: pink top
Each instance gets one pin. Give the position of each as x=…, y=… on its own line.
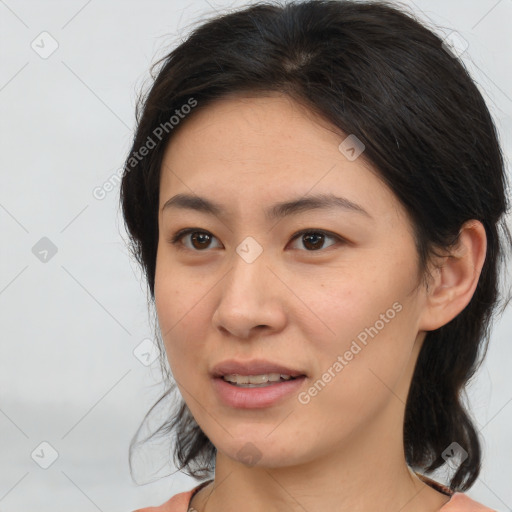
x=459, y=502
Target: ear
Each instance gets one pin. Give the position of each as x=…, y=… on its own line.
x=455, y=277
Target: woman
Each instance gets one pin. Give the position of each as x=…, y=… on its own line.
x=315, y=193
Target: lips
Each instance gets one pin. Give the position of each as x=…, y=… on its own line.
x=253, y=367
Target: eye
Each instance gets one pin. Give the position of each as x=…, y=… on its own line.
x=313, y=239
x=199, y=240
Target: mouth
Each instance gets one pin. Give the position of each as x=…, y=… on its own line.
x=256, y=396
x=255, y=371
x=256, y=383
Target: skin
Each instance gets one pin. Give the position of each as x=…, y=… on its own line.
x=300, y=307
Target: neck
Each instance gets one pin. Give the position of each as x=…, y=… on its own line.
x=359, y=476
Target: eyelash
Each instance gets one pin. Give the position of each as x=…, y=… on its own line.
x=176, y=238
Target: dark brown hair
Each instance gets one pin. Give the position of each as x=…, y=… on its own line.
x=374, y=71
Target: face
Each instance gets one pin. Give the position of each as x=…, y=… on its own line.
x=340, y=303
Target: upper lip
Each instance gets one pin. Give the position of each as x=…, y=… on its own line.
x=252, y=367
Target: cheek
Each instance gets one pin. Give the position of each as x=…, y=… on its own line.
x=343, y=303
x=179, y=305
x=367, y=334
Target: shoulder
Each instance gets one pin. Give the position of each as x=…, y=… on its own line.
x=178, y=503
x=460, y=502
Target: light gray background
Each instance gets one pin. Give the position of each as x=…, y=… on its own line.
x=69, y=326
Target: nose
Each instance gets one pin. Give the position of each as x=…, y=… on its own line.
x=250, y=300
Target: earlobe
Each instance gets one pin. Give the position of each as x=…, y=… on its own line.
x=455, y=278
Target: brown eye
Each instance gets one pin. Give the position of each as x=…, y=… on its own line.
x=198, y=240
x=314, y=240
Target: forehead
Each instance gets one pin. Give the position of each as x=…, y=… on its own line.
x=265, y=149
x=238, y=126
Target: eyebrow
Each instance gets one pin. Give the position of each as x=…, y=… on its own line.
x=276, y=211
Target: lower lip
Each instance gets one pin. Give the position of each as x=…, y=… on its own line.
x=255, y=398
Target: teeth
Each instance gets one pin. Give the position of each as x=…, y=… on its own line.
x=256, y=379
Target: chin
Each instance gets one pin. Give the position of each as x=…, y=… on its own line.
x=258, y=450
